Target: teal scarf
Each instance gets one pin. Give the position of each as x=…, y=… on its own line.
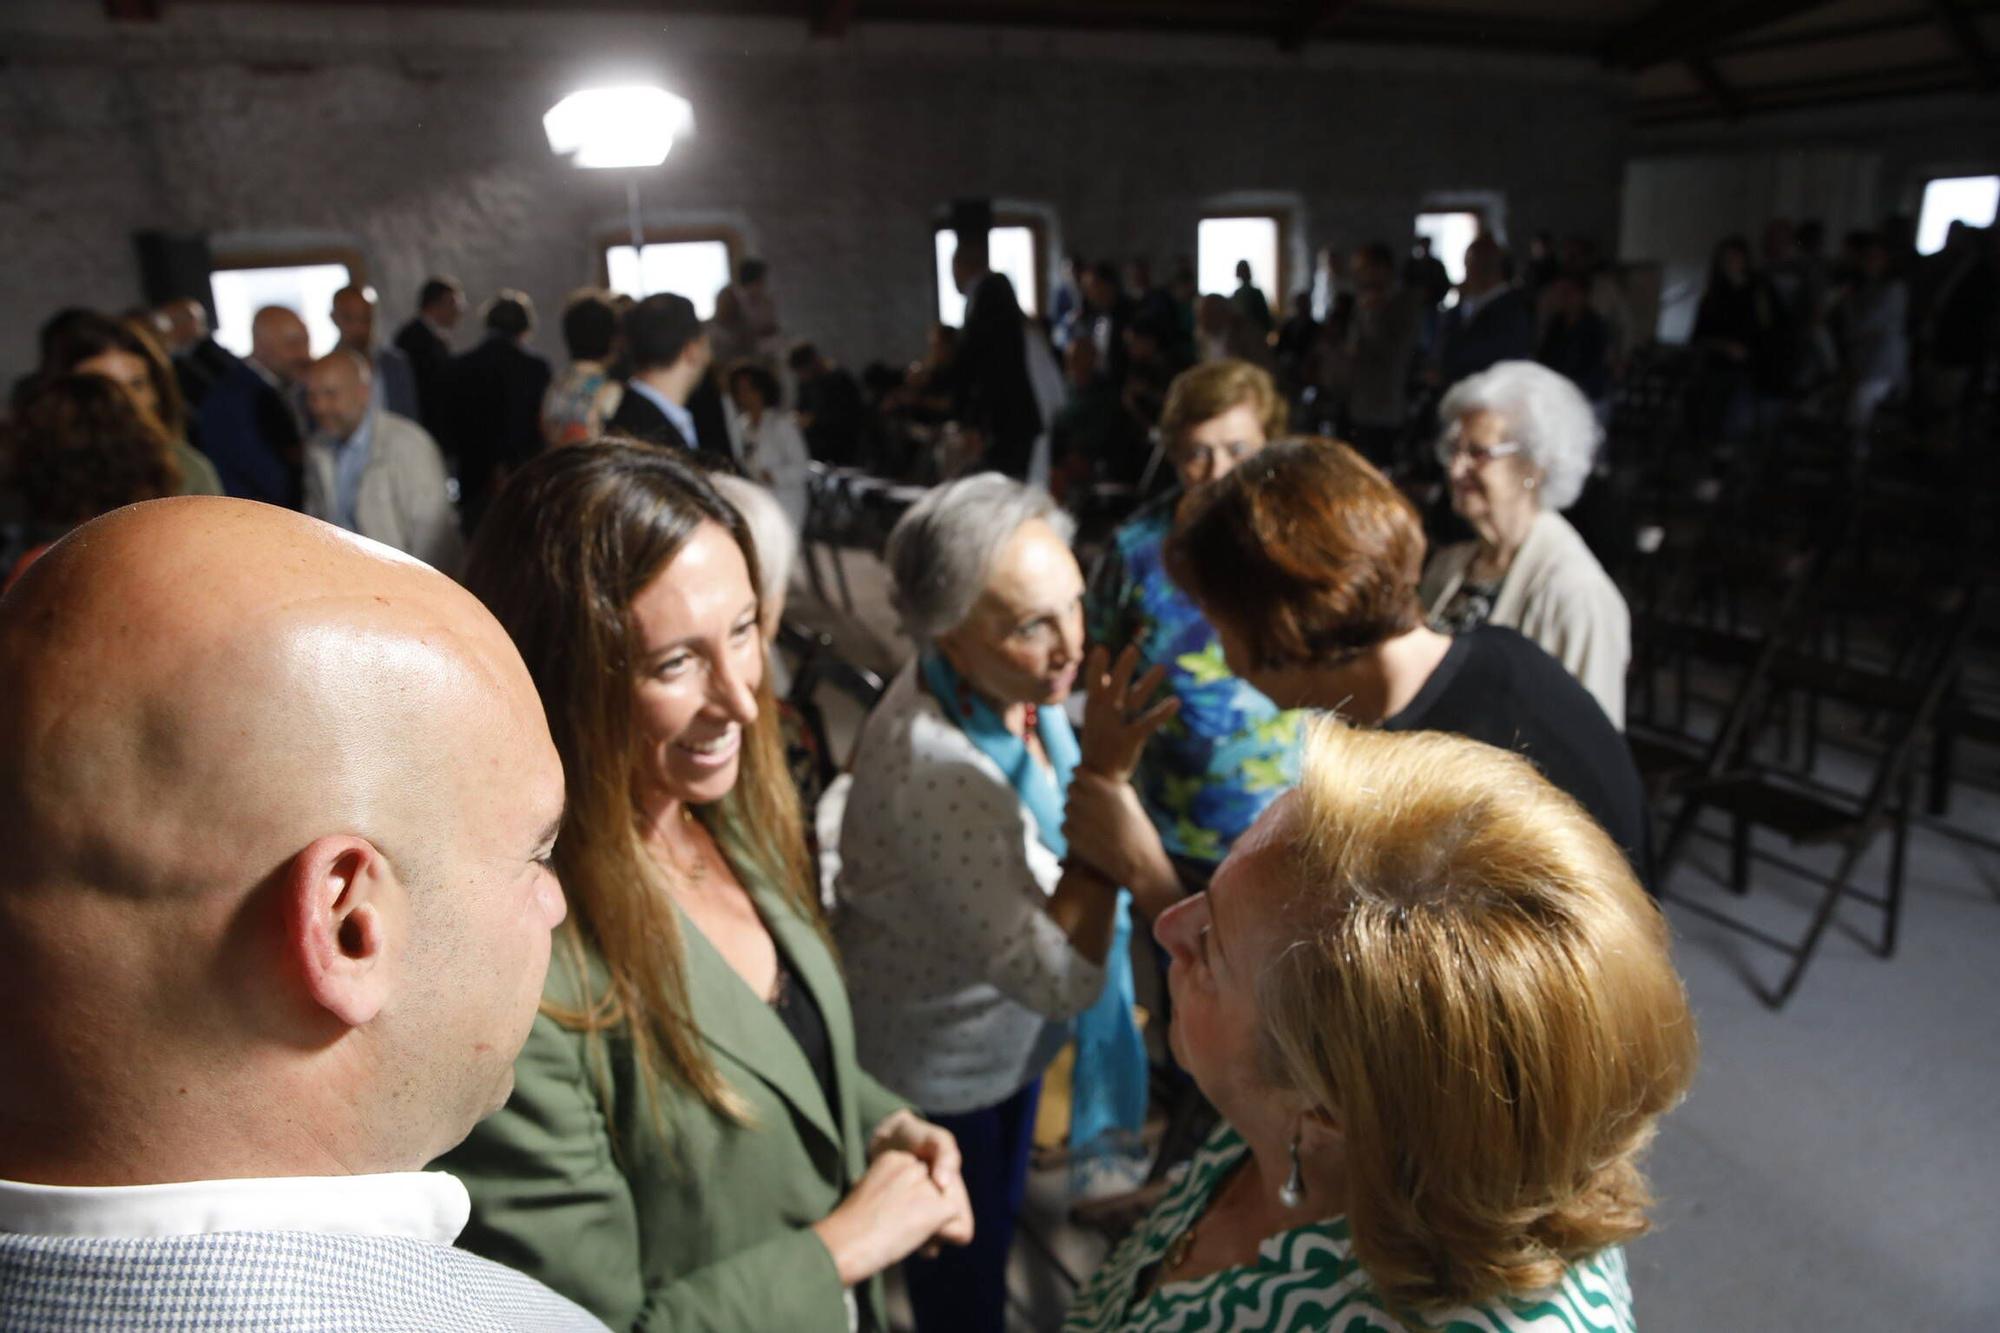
x=1108, y=1098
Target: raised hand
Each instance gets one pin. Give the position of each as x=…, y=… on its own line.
x=1117, y=722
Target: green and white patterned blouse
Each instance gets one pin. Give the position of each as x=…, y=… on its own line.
x=1309, y=1279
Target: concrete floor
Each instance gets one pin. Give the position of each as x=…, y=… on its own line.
x=1836, y=1166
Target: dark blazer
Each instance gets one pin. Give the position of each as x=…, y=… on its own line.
x=200, y=367
x=989, y=377
x=430, y=359
x=707, y=1230
x=638, y=417
x=1504, y=330
x=251, y=436
x=492, y=412
x=397, y=383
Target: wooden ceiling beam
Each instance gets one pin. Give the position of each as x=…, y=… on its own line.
x=832, y=18
x=1965, y=38
x=1678, y=29
x=1307, y=19
x=1727, y=99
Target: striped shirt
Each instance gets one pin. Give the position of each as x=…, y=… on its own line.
x=1308, y=1279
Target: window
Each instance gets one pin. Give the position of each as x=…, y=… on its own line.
x=243, y=285
x=694, y=264
x=1968, y=199
x=1450, y=234
x=1223, y=242
x=1013, y=250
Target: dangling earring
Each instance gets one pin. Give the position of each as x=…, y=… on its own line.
x=1293, y=1192
x=965, y=700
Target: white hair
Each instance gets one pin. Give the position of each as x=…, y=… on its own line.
x=771, y=533
x=1545, y=413
x=941, y=553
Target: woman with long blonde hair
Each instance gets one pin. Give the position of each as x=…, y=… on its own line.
x=690, y=1144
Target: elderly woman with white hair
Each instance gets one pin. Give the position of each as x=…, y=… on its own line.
x=972, y=947
x=1518, y=447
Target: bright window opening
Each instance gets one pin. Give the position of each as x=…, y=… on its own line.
x=697, y=270
x=1222, y=243
x=1972, y=200
x=1010, y=252
x=304, y=288
x=1450, y=234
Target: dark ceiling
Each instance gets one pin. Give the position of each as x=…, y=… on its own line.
x=1688, y=59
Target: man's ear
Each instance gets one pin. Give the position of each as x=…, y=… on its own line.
x=342, y=914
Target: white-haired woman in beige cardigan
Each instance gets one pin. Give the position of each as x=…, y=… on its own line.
x=1518, y=445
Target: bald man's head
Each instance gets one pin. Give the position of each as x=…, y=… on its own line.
x=279, y=343
x=274, y=887
x=337, y=393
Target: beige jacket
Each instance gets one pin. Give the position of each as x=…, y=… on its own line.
x=403, y=501
x=1558, y=595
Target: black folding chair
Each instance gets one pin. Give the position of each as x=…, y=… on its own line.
x=1806, y=813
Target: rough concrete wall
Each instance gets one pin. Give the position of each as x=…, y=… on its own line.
x=415, y=135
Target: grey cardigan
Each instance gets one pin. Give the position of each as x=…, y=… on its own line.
x=1557, y=594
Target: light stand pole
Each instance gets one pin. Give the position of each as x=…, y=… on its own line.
x=627, y=127
x=636, y=218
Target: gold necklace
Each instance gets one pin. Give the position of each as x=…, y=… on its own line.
x=698, y=872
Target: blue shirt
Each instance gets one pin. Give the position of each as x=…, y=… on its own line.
x=682, y=418
x=350, y=460
x=1210, y=771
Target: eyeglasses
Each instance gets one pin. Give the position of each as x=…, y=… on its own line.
x=1450, y=449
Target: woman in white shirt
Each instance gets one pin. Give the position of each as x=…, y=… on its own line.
x=1518, y=447
x=970, y=945
x=768, y=442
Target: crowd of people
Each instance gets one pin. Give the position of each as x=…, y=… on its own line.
x=542, y=910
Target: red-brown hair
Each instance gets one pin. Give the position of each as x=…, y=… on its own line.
x=1305, y=549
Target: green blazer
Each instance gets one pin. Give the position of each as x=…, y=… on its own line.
x=707, y=1230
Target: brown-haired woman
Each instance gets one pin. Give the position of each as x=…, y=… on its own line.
x=1306, y=560
x=690, y=1143
x=125, y=353
x=81, y=447
x=1440, y=1020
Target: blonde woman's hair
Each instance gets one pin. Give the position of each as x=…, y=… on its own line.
x=1480, y=996
x=1204, y=392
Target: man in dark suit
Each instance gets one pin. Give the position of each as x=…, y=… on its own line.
x=1492, y=321
x=670, y=356
x=492, y=403
x=831, y=411
x=251, y=420
x=395, y=384
x=988, y=375
x=200, y=362
x=425, y=341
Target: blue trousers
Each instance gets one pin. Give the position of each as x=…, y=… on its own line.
x=965, y=1290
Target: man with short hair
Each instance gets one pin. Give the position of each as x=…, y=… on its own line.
x=275, y=916
x=395, y=383
x=583, y=395
x=988, y=374
x=493, y=403
x=374, y=472
x=670, y=355
x=199, y=360
x=252, y=422
x=830, y=409
x=1492, y=322
x=1381, y=344
x=426, y=341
